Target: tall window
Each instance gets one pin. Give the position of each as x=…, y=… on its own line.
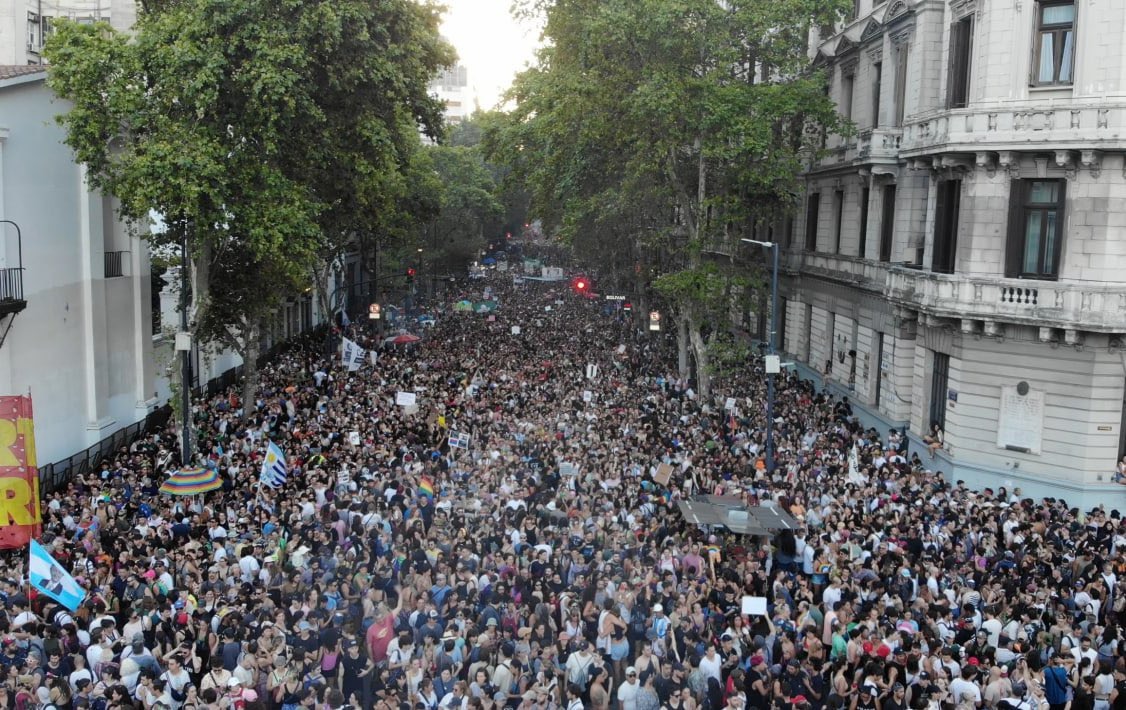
x=958, y=71
x=940, y=384
x=1054, y=43
x=811, y=219
x=1035, y=229
x=865, y=194
x=877, y=82
x=946, y=212
x=887, y=223
x=848, y=82
x=838, y=219
x=901, y=54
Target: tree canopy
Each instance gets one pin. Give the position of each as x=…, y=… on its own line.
x=656, y=132
x=259, y=130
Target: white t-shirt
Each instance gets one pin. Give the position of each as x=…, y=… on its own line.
x=627, y=695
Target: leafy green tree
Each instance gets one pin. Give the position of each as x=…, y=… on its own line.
x=254, y=128
x=668, y=130
x=467, y=206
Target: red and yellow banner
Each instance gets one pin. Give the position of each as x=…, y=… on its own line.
x=20, y=516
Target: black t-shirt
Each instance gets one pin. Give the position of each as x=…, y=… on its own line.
x=352, y=668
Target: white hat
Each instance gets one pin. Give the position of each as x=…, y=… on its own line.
x=657, y=608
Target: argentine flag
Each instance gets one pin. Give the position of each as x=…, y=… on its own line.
x=48, y=576
x=273, y=467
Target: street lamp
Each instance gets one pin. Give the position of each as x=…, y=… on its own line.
x=772, y=364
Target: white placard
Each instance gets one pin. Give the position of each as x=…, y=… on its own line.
x=729, y=404
x=621, y=349
x=559, y=301
x=754, y=606
x=406, y=399
x=568, y=469
x=588, y=396
x=354, y=438
x=374, y=357
x=547, y=308
x=516, y=330
x=1020, y=419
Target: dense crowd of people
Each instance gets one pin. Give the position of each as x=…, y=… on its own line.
x=543, y=565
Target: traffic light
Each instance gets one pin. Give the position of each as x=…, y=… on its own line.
x=580, y=285
x=410, y=275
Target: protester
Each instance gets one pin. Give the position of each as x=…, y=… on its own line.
x=539, y=562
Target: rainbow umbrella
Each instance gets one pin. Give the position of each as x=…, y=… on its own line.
x=191, y=482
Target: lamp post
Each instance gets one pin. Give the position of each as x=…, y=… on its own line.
x=185, y=358
x=772, y=365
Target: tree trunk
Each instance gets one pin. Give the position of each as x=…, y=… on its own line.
x=703, y=362
x=251, y=339
x=682, y=344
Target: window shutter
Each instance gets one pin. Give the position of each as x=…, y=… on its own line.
x=938, y=243
x=1061, y=229
x=1014, y=243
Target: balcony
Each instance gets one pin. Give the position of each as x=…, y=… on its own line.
x=879, y=145
x=116, y=264
x=1066, y=126
x=864, y=273
x=1056, y=304
x=11, y=291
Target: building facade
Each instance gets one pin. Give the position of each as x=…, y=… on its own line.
x=78, y=335
x=452, y=88
x=26, y=24
x=958, y=258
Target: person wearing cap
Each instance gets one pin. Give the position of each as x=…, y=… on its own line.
x=629, y=690
x=895, y=698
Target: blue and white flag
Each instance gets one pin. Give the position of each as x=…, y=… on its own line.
x=274, y=470
x=459, y=440
x=351, y=355
x=49, y=577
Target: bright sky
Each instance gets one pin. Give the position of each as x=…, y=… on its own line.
x=490, y=43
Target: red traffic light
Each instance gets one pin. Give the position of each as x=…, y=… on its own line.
x=410, y=272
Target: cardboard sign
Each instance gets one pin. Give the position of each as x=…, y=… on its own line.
x=491, y=319
x=754, y=606
x=406, y=399
x=663, y=474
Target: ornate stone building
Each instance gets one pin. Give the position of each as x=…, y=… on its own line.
x=960, y=259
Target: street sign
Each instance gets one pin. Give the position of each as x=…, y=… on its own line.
x=654, y=320
x=615, y=298
x=375, y=312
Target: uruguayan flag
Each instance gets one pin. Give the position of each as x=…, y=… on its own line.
x=51, y=579
x=273, y=467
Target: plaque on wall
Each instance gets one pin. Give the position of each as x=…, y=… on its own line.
x=1020, y=420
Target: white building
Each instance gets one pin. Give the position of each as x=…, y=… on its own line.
x=961, y=259
x=82, y=344
x=26, y=24
x=452, y=87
